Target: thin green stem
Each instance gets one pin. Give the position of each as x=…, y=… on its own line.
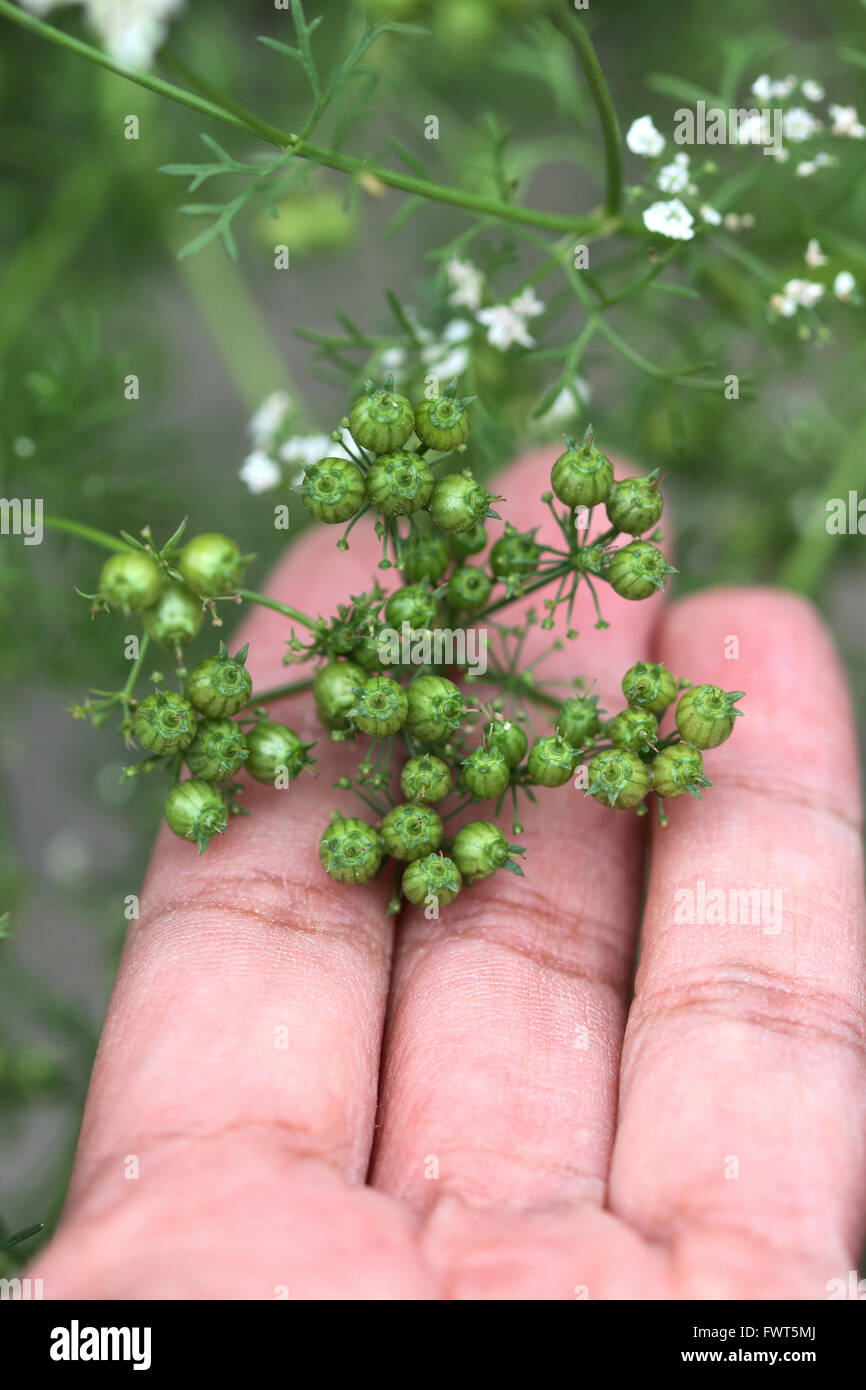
x=588, y=60
x=279, y=692
x=287, y=611
x=127, y=690
x=241, y=119
x=85, y=533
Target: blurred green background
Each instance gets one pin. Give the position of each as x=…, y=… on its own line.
x=91, y=291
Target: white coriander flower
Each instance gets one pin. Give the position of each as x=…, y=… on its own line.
x=747, y=220
x=131, y=30
x=671, y=219
x=783, y=305
x=805, y=293
x=799, y=124
x=844, y=285
x=710, y=214
x=762, y=87
x=467, y=283
x=40, y=7
x=643, y=138
x=845, y=121
x=270, y=417
x=751, y=131
x=393, y=359
x=814, y=255
x=505, y=327
x=806, y=168
x=812, y=90
x=675, y=177
x=307, y=449
x=450, y=356
x=780, y=154
x=528, y=305
x=259, y=472
x=566, y=405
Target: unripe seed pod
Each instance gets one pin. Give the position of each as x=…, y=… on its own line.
x=618, y=778
x=638, y=570
x=469, y=589
x=634, y=728
x=380, y=707
x=578, y=719
x=436, y=709
x=425, y=778
x=176, y=617
x=508, y=739
x=399, y=483
x=470, y=542
x=552, y=761
x=413, y=604
x=480, y=848
x=411, y=831
x=649, y=686
x=677, y=770
x=130, y=580
x=334, y=692
x=220, y=686
x=365, y=653
x=165, y=722
x=333, y=490
x=424, y=557
x=217, y=751
x=196, y=810
x=485, y=772
x=582, y=476
x=515, y=555
x=272, y=747
x=382, y=419
x=635, y=505
x=458, y=503
x=705, y=715
x=212, y=565
x=443, y=423
x=350, y=850
x=434, y=876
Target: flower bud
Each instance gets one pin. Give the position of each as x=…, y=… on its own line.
x=274, y=746
x=333, y=490
x=679, y=769
x=618, y=778
x=411, y=831
x=480, y=848
x=165, y=722
x=425, y=778
x=382, y=419
x=552, y=761
x=220, y=686
x=469, y=589
x=434, y=875
x=443, y=423
x=212, y=565
x=638, y=569
x=399, y=483
x=705, y=715
x=635, y=504
x=649, y=686
x=350, y=850
x=380, y=707
x=130, y=580
x=196, y=810
x=436, y=709
x=176, y=617
x=217, y=751
x=485, y=772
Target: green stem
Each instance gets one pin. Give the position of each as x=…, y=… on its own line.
x=279, y=692
x=251, y=124
x=136, y=668
x=809, y=559
x=85, y=533
x=555, y=572
x=288, y=612
x=588, y=60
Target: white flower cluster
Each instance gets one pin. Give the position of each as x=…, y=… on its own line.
x=805, y=294
x=799, y=123
x=672, y=218
x=274, y=449
x=130, y=31
x=505, y=323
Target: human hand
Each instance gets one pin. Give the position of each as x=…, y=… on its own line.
x=468, y=1107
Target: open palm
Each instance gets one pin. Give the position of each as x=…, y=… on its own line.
x=298, y=1096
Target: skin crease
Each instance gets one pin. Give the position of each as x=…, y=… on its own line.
x=584, y=1148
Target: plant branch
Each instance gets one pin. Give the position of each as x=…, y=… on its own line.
x=588, y=59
